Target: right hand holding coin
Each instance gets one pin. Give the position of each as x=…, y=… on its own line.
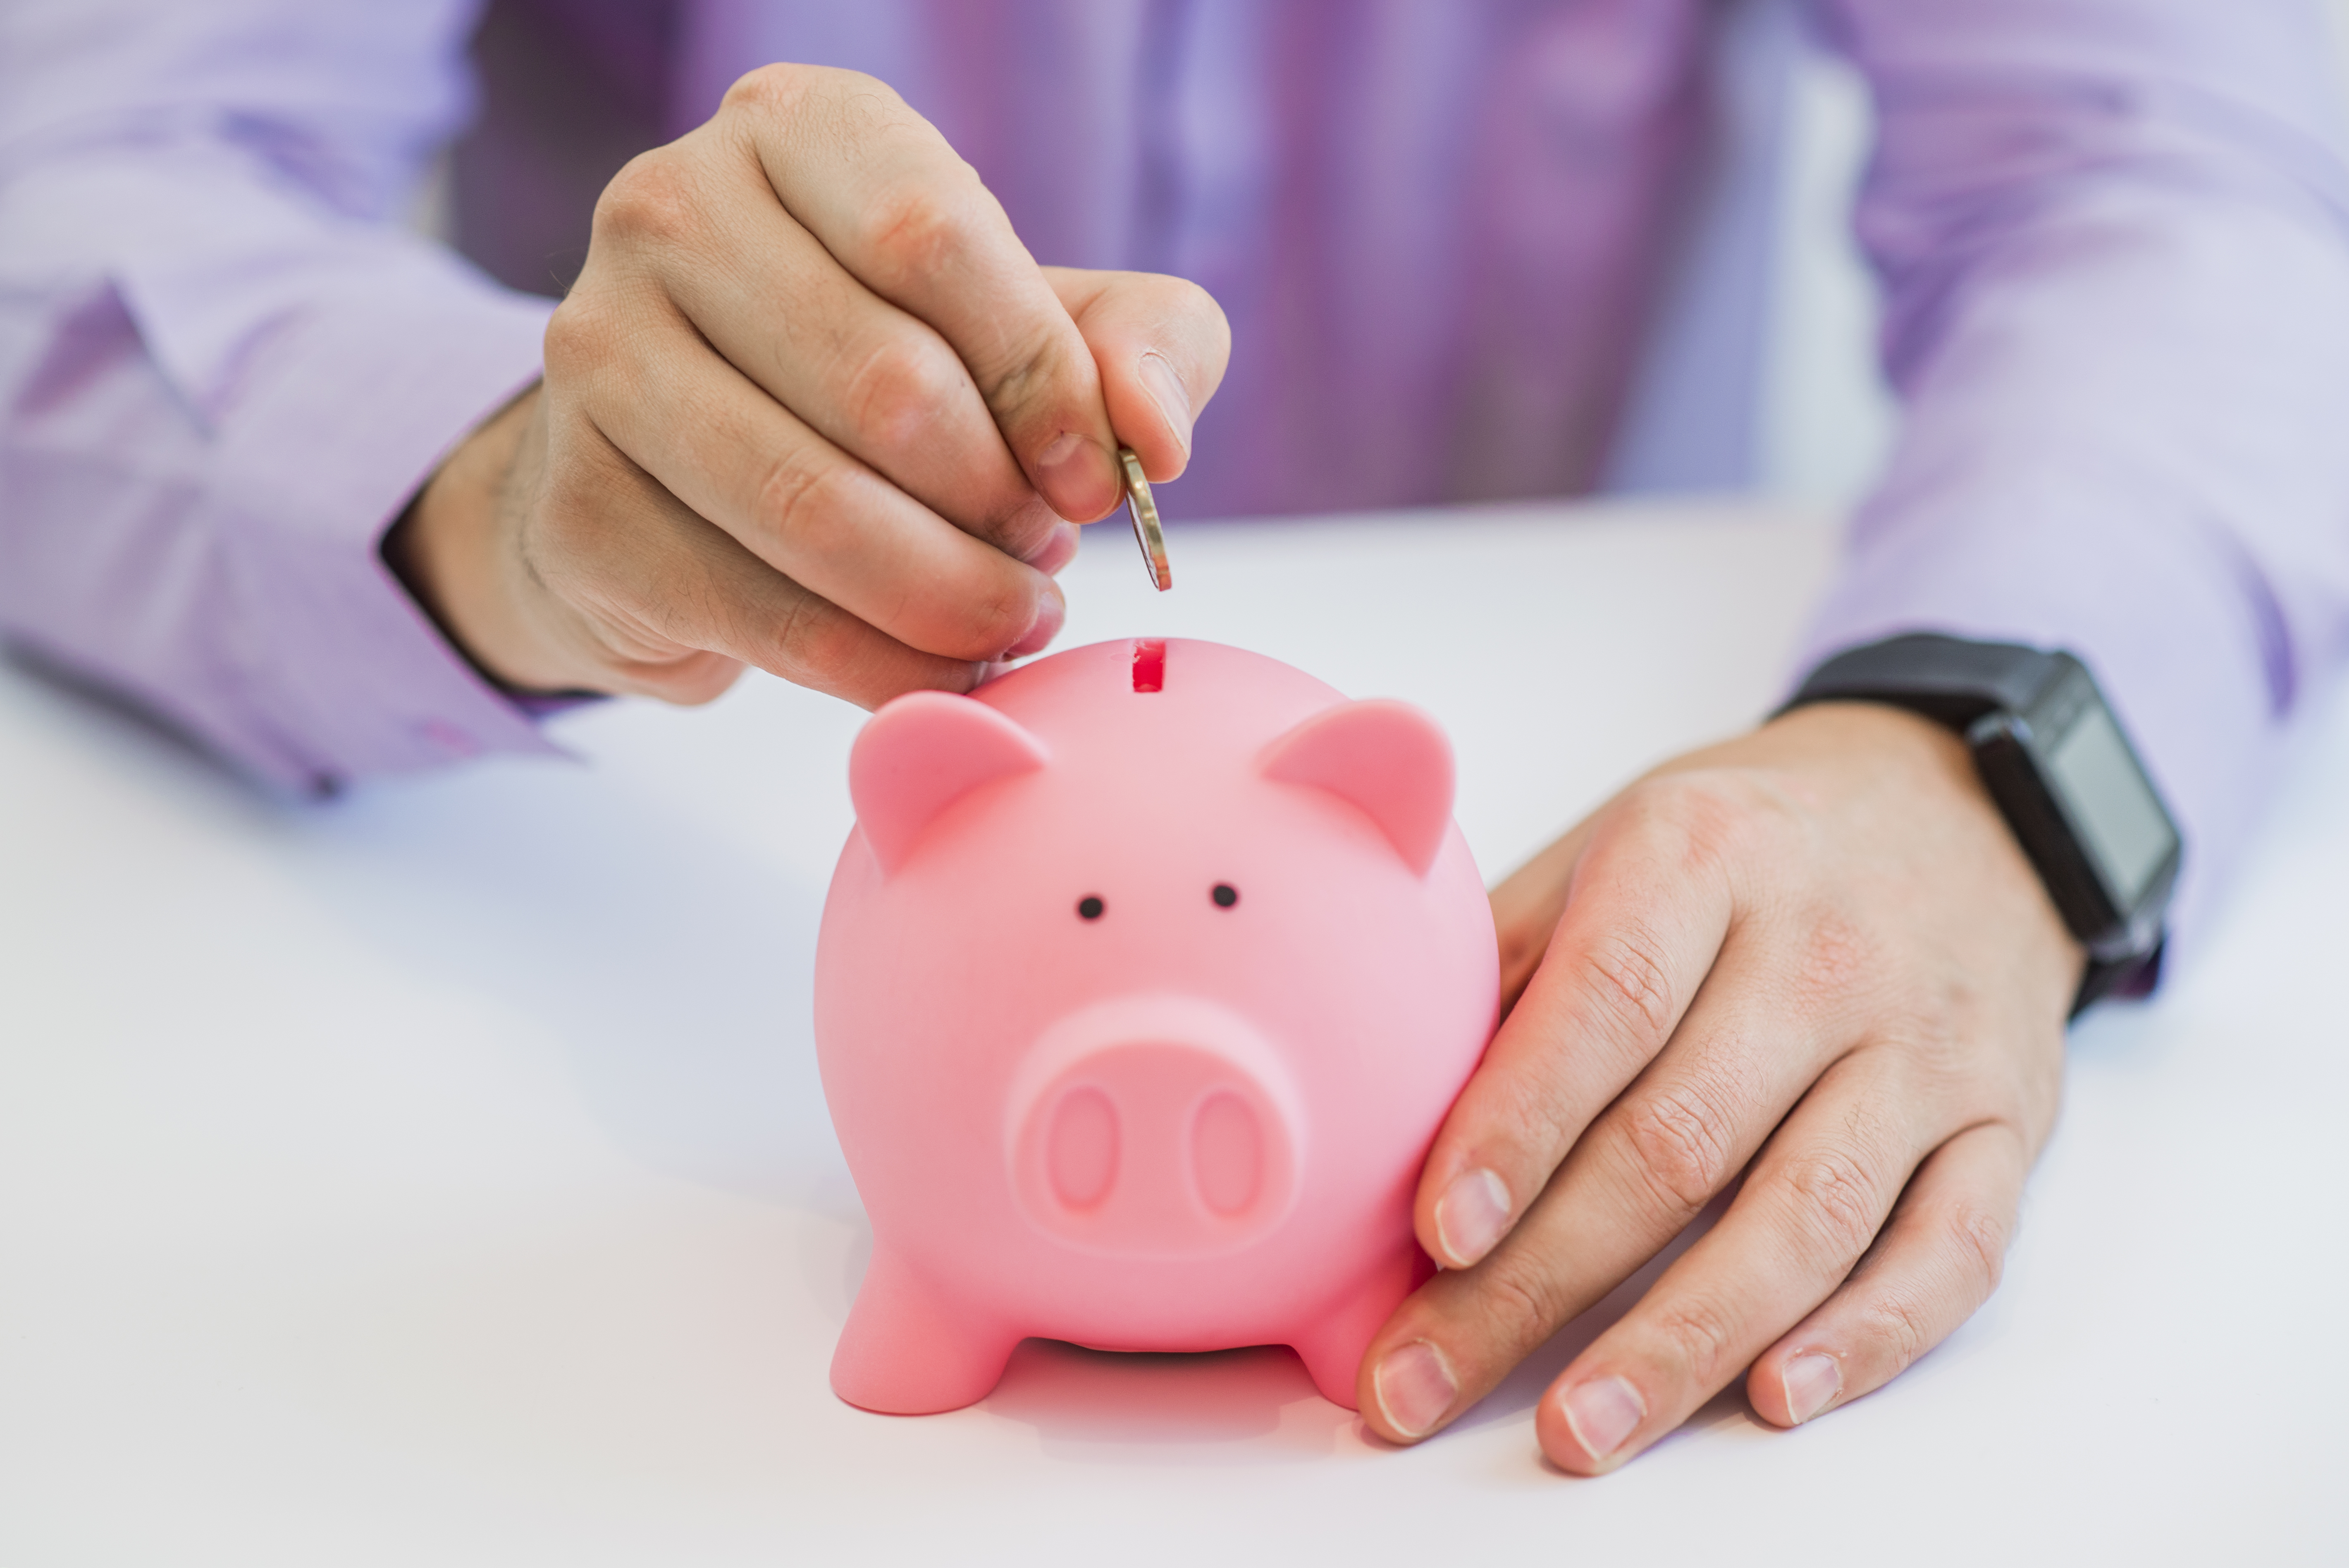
x=812, y=406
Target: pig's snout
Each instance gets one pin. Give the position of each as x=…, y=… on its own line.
x=1154, y=1125
x=1169, y=1137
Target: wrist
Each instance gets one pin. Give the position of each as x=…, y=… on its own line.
x=2058, y=765
x=455, y=552
x=1892, y=759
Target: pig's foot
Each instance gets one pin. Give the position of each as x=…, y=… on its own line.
x=907, y=1350
x=1333, y=1350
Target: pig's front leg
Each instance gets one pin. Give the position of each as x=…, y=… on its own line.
x=1332, y=1348
x=908, y=1351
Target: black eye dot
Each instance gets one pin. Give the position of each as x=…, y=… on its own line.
x=1225, y=895
x=1091, y=907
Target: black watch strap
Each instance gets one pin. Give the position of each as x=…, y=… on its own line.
x=2061, y=771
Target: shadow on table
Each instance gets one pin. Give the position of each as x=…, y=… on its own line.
x=1113, y=1406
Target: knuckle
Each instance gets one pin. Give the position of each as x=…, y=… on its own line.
x=652, y=198
x=579, y=338
x=815, y=643
x=611, y=329
x=771, y=86
x=1900, y=1322
x=786, y=87
x=1693, y=821
x=797, y=500
x=1701, y=1336
x=995, y=620
x=1625, y=974
x=1836, y=1198
x=1521, y=1307
x=902, y=390
x=1936, y=1039
x=1981, y=1237
x=1528, y=1109
x=808, y=510
x=1713, y=823
x=911, y=233
x=1834, y=960
x=1679, y=1142
x=1026, y=378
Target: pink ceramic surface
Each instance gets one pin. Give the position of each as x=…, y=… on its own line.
x=1144, y=981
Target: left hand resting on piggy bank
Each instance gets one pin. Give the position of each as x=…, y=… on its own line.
x=1813, y=956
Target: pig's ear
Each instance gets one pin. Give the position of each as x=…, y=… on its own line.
x=1387, y=757
x=922, y=753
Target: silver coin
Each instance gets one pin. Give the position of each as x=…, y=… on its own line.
x=1144, y=512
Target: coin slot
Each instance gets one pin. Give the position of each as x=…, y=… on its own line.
x=1150, y=664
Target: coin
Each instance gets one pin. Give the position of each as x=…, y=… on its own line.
x=1144, y=512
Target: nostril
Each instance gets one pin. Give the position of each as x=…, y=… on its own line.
x=1081, y=1156
x=1226, y=1153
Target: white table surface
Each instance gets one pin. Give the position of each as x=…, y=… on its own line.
x=439, y=1176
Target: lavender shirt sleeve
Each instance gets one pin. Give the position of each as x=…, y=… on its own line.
x=225, y=369
x=2111, y=234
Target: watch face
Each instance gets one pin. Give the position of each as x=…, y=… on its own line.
x=2111, y=806
x=2056, y=762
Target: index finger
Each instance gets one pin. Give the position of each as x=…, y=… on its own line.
x=891, y=202
x=1648, y=910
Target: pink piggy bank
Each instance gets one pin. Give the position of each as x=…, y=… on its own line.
x=1144, y=981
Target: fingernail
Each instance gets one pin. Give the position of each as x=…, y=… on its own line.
x=1166, y=390
x=1050, y=612
x=1812, y=1384
x=1415, y=1387
x=1472, y=1215
x=1059, y=548
x=1602, y=1413
x=1076, y=477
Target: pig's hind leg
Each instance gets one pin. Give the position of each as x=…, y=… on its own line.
x=1332, y=1347
x=907, y=1350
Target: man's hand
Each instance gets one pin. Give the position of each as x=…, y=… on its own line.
x=1814, y=955
x=812, y=406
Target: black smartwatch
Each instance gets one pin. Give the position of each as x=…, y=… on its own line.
x=2060, y=771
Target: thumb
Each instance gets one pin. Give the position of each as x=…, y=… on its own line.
x=1161, y=344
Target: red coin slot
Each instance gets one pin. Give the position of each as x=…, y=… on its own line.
x=1150, y=664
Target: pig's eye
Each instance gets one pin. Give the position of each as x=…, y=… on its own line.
x=1090, y=906
x=1225, y=895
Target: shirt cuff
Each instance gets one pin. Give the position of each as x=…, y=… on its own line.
x=357, y=679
